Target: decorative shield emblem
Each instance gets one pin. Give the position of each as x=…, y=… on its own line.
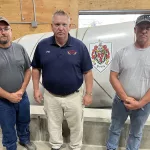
x=100, y=53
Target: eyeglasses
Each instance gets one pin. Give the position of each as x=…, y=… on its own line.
x=141, y=28
x=4, y=29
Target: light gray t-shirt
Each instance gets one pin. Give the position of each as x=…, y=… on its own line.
x=133, y=66
x=14, y=61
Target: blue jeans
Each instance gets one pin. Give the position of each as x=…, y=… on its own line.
x=12, y=114
x=137, y=120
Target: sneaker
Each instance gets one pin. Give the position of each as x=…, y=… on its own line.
x=29, y=146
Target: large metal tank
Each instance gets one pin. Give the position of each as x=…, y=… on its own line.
x=102, y=43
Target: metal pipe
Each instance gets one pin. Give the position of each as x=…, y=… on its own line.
x=108, y=12
x=20, y=22
x=28, y=23
x=34, y=10
x=22, y=18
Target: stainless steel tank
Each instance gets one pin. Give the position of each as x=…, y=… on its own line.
x=102, y=43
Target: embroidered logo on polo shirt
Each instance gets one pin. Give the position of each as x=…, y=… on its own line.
x=47, y=51
x=72, y=52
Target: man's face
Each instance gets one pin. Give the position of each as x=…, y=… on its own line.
x=5, y=33
x=60, y=26
x=142, y=31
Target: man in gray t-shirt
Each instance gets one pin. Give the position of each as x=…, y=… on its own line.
x=130, y=78
x=15, y=74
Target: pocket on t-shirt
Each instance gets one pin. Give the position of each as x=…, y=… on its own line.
x=146, y=71
x=20, y=64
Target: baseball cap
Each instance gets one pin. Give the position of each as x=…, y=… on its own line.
x=142, y=18
x=5, y=20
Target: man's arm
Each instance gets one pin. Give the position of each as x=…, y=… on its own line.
x=4, y=94
x=117, y=85
x=27, y=77
x=17, y=96
x=118, y=88
x=133, y=105
x=129, y=102
x=25, y=83
x=36, y=73
x=145, y=99
x=12, y=97
x=87, y=99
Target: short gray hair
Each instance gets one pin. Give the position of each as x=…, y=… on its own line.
x=60, y=13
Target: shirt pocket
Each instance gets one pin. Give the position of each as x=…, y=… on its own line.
x=20, y=63
x=146, y=70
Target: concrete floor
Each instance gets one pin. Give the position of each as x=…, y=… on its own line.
x=46, y=146
x=40, y=146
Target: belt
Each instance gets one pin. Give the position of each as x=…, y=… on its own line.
x=57, y=95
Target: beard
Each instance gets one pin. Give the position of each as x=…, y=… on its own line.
x=3, y=42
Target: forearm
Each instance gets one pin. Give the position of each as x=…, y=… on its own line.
x=4, y=94
x=145, y=99
x=36, y=73
x=88, y=81
x=27, y=77
x=117, y=87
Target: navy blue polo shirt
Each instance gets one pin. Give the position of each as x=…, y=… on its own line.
x=62, y=67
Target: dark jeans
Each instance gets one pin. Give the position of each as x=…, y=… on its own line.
x=12, y=114
x=137, y=120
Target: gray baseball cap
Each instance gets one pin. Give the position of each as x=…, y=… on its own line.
x=4, y=20
x=142, y=18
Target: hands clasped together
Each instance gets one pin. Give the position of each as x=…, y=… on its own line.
x=132, y=104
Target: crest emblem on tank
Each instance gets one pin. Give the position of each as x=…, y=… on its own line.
x=101, y=55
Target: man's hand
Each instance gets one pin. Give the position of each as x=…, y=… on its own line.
x=38, y=96
x=87, y=100
x=132, y=104
x=15, y=97
x=129, y=99
x=20, y=92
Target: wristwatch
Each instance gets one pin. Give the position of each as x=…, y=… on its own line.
x=88, y=93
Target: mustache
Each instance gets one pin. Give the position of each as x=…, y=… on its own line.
x=3, y=36
x=143, y=34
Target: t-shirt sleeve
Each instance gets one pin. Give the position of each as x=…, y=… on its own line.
x=86, y=63
x=36, y=63
x=115, y=64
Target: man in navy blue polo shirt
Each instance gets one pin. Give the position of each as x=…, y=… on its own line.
x=64, y=61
